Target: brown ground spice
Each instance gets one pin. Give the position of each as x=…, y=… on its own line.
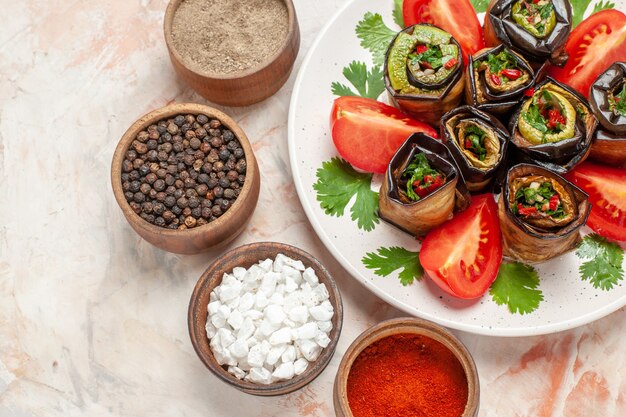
x=228, y=36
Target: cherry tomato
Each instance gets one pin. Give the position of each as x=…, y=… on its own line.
x=593, y=46
x=606, y=187
x=367, y=133
x=463, y=255
x=457, y=17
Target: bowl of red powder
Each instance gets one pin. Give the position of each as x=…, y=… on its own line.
x=406, y=367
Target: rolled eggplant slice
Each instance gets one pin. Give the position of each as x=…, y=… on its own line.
x=554, y=128
x=608, y=102
x=424, y=72
x=540, y=214
x=478, y=143
x=496, y=79
x=422, y=187
x=536, y=29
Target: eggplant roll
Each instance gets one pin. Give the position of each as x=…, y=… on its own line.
x=422, y=187
x=540, y=214
x=536, y=29
x=496, y=79
x=478, y=143
x=608, y=102
x=553, y=128
x=424, y=72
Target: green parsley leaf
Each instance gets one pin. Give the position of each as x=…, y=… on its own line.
x=535, y=119
x=578, y=11
x=619, y=101
x=579, y=7
x=337, y=183
x=397, y=13
x=516, y=286
x=416, y=171
x=480, y=5
x=603, y=5
x=375, y=36
x=369, y=84
x=604, y=267
x=388, y=260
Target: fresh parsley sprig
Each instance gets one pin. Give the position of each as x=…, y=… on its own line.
x=369, y=84
x=387, y=260
x=603, y=267
x=516, y=286
x=398, y=18
x=480, y=5
x=375, y=36
x=580, y=6
x=337, y=183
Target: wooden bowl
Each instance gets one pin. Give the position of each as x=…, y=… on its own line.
x=198, y=239
x=246, y=256
x=403, y=326
x=242, y=88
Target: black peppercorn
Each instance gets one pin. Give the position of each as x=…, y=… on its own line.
x=202, y=189
x=159, y=185
x=134, y=175
x=191, y=192
x=134, y=186
x=224, y=154
x=177, y=210
x=170, y=201
x=145, y=188
x=162, y=173
x=129, y=196
x=161, y=196
x=139, y=197
x=170, y=190
x=182, y=202
x=228, y=135
x=216, y=210
x=147, y=207
x=224, y=183
x=241, y=179
x=179, y=193
x=159, y=221
x=218, y=192
x=206, y=212
x=127, y=166
x=229, y=193
x=194, y=202
x=151, y=178
x=142, y=136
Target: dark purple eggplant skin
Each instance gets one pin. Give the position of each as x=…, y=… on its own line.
x=608, y=81
x=498, y=103
x=503, y=27
x=528, y=243
x=470, y=173
x=563, y=156
x=439, y=157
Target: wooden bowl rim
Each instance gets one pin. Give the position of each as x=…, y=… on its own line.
x=168, y=21
x=405, y=325
x=231, y=215
x=209, y=280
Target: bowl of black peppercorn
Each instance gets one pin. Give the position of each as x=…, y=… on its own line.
x=186, y=178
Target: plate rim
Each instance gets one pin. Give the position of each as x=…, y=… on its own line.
x=520, y=331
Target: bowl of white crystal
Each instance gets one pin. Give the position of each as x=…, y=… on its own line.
x=265, y=318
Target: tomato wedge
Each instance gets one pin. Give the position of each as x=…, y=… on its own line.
x=367, y=133
x=463, y=255
x=593, y=46
x=606, y=187
x=457, y=17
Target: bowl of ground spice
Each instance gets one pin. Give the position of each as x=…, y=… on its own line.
x=185, y=178
x=406, y=368
x=232, y=52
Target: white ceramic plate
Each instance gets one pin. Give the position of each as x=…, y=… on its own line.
x=568, y=300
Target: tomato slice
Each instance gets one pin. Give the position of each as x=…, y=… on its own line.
x=593, y=46
x=606, y=187
x=463, y=255
x=367, y=133
x=457, y=17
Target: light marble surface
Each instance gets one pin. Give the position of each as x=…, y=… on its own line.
x=93, y=319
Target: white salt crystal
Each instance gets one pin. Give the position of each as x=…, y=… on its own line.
x=289, y=355
x=235, y=320
x=259, y=375
x=237, y=372
x=310, y=277
x=239, y=349
x=275, y=314
x=284, y=371
x=300, y=366
x=281, y=336
x=320, y=313
x=307, y=331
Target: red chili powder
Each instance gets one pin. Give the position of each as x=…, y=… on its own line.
x=407, y=375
